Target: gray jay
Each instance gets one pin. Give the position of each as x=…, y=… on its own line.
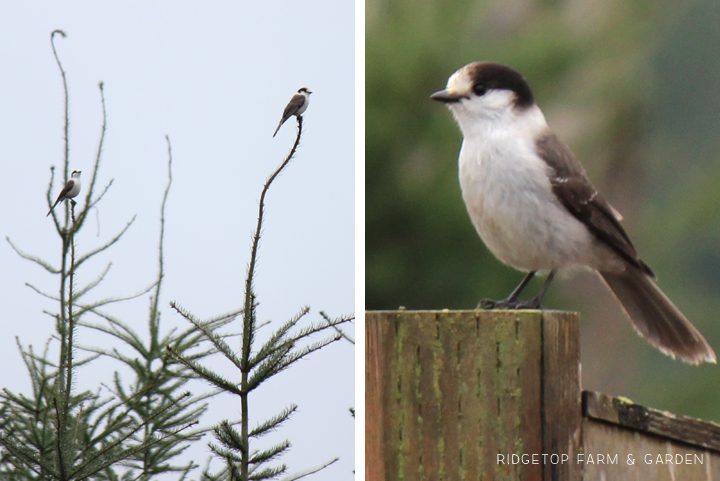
x=71, y=189
x=297, y=105
x=536, y=210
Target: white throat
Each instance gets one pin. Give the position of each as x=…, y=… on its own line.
x=305, y=104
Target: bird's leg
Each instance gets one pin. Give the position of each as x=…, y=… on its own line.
x=73, y=202
x=535, y=303
x=511, y=302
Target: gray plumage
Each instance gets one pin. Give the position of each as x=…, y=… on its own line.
x=297, y=105
x=71, y=189
x=536, y=210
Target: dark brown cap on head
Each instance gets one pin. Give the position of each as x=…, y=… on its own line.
x=476, y=78
x=488, y=76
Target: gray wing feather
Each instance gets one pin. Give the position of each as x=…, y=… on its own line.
x=68, y=187
x=292, y=107
x=574, y=190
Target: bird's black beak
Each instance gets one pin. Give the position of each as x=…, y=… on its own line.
x=446, y=97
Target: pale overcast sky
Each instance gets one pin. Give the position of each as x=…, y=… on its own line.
x=215, y=77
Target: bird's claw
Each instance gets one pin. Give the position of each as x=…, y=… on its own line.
x=512, y=304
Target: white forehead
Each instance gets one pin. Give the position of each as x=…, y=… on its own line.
x=461, y=81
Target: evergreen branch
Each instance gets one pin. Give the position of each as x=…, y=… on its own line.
x=230, y=438
x=124, y=454
x=25, y=404
x=206, y=476
x=271, y=345
x=112, y=300
x=176, y=418
x=273, y=423
x=281, y=362
x=91, y=187
x=60, y=325
x=278, y=359
x=269, y=454
x=331, y=323
x=31, y=362
x=154, y=307
x=113, y=424
x=114, y=354
x=82, y=362
x=99, y=198
x=94, y=283
x=120, y=330
x=267, y=473
x=190, y=466
x=32, y=258
x=315, y=328
x=204, y=373
x=132, y=338
x=59, y=435
x=225, y=453
x=216, y=340
x=77, y=427
x=29, y=459
x=112, y=241
x=44, y=294
x=122, y=439
x=267, y=368
x=63, y=422
x=296, y=356
x=66, y=129
x=249, y=304
x=191, y=338
x=310, y=471
x=49, y=196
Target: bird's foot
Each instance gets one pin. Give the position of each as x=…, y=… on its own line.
x=512, y=304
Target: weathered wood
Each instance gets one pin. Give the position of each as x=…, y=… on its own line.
x=562, y=420
x=647, y=443
x=377, y=361
x=612, y=452
x=449, y=392
x=625, y=413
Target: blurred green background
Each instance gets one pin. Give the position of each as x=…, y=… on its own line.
x=633, y=87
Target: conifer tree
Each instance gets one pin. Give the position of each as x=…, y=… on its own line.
x=255, y=365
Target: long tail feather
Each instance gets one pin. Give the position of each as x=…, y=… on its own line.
x=656, y=318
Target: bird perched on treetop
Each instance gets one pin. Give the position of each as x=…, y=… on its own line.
x=297, y=105
x=536, y=210
x=71, y=189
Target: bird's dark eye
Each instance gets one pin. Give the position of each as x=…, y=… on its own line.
x=479, y=90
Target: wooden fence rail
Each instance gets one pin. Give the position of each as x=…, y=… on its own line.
x=495, y=395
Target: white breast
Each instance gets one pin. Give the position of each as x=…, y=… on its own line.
x=304, y=106
x=507, y=192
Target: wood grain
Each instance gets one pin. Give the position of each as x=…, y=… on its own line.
x=450, y=391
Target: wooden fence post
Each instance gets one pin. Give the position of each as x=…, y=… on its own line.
x=456, y=395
